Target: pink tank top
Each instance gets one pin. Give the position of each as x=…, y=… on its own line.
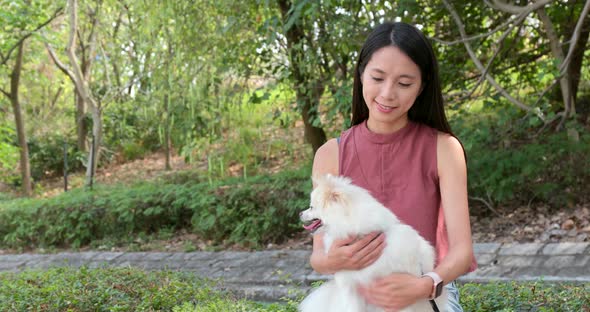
x=400, y=170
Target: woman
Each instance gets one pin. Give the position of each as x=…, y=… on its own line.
x=401, y=148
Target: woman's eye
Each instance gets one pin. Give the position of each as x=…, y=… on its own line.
x=405, y=85
x=377, y=79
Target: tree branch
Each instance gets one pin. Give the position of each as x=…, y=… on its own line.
x=59, y=64
x=515, y=9
x=4, y=58
x=500, y=43
x=478, y=64
x=474, y=37
x=62, y=67
x=79, y=77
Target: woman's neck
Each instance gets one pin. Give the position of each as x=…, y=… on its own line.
x=386, y=127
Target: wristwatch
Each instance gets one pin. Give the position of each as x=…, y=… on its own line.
x=436, y=286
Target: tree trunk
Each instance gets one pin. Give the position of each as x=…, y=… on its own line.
x=574, y=70
x=81, y=125
x=81, y=82
x=167, y=139
x=94, y=152
x=307, y=99
x=20, y=123
x=556, y=49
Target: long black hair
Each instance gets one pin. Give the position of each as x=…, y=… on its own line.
x=428, y=107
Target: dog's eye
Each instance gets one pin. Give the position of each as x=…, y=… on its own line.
x=310, y=207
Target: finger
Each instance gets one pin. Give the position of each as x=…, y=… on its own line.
x=387, y=282
x=373, y=250
x=378, y=243
x=343, y=241
x=360, y=244
x=372, y=253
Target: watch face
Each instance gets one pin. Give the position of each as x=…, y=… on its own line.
x=438, y=290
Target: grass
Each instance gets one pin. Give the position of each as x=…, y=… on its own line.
x=131, y=289
x=117, y=289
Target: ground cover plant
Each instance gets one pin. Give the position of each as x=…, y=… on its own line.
x=130, y=289
x=115, y=289
x=250, y=213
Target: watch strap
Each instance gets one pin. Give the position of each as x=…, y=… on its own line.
x=437, y=284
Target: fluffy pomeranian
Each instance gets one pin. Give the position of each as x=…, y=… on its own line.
x=341, y=209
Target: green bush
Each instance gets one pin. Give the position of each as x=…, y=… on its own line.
x=529, y=296
x=131, y=289
x=108, y=289
x=509, y=162
x=46, y=155
x=263, y=210
x=251, y=212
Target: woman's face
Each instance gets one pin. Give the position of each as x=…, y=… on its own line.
x=391, y=83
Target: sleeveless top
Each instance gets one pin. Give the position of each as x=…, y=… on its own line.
x=400, y=170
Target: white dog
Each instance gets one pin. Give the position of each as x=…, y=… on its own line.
x=341, y=209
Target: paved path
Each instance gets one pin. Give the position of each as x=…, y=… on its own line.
x=270, y=275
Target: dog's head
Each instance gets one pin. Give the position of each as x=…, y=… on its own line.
x=331, y=202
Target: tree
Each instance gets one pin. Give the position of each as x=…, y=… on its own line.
x=80, y=77
x=21, y=19
x=573, y=30
x=19, y=121
x=319, y=40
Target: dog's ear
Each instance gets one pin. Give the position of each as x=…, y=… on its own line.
x=333, y=194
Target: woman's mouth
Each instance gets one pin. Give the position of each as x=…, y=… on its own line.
x=384, y=108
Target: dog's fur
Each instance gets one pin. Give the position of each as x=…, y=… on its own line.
x=348, y=210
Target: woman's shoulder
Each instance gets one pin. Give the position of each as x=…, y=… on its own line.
x=326, y=158
x=449, y=149
x=448, y=143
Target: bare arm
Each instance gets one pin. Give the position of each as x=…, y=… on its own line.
x=351, y=254
x=452, y=171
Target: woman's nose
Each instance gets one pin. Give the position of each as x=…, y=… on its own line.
x=387, y=91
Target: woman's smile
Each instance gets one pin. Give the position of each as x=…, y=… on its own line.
x=384, y=108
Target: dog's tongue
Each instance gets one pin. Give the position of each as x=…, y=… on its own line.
x=313, y=225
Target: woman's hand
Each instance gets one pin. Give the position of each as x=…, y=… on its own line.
x=355, y=253
x=396, y=291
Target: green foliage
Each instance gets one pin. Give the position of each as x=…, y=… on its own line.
x=236, y=306
x=521, y=296
x=508, y=160
x=263, y=210
x=119, y=289
x=8, y=155
x=257, y=131
x=46, y=155
x=251, y=212
x=108, y=289
x=130, y=289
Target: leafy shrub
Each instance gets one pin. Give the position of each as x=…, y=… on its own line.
x=108, y=289
x=131, y=289
x=508, y=162
x=250, y=212
x=263, y=210
x=47, y=155
x=521, y=296
x=132, y=150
